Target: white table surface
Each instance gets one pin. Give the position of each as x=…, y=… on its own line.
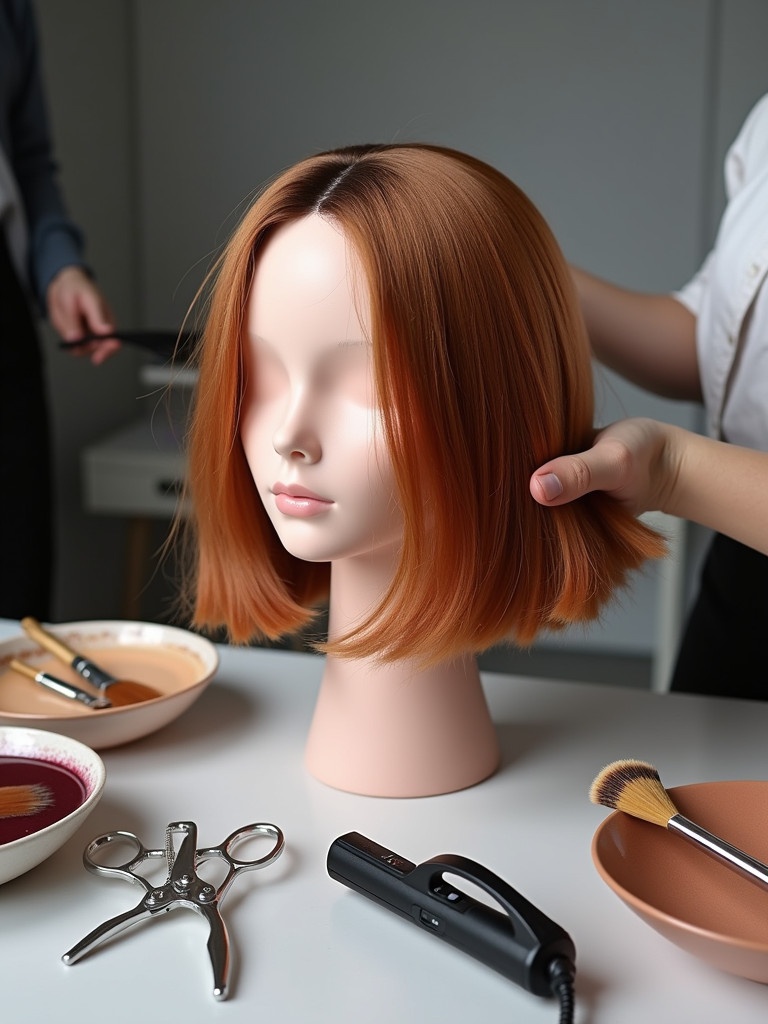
x=308, y=950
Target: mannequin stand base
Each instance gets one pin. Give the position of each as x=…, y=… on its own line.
x=391, y=730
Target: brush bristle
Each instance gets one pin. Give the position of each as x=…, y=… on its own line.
x=22, y=801
x=123, y=692
x=633, y=787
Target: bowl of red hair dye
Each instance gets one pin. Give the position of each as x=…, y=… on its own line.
x=61, y=782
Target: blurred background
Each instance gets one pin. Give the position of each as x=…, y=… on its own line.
x=613, y=115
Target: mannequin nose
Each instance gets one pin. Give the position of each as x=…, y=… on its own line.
x=295, y=437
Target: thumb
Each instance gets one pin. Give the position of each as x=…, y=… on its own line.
x=563, y=480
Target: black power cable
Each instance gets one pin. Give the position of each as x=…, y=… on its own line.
x=562, y=972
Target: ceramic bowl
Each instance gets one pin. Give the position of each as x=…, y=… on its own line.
x=177, y=663
x=687, y=896
x=74, y=775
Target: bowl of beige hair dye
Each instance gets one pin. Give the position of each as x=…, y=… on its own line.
x=174, y=662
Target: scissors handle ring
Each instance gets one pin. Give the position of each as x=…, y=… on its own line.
x=236, y=866
x=248, y=832
x=126, y=868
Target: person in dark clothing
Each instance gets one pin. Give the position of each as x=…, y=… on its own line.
x=42, y=269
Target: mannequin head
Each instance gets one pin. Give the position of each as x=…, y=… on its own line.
x=480, y=372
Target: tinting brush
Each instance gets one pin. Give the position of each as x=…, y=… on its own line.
x=118, y=691
x=635, y=788
x=59, y=686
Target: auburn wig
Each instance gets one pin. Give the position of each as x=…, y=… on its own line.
x=482, y=371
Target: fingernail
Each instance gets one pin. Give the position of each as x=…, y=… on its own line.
x=551, y=486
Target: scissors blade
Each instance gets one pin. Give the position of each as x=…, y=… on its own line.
x=107, y=930
x=182, y=864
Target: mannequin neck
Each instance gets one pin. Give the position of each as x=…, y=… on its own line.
x=395, y=728
x=357, y=587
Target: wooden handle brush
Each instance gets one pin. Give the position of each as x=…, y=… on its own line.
x=23, y=801
x=119, y=691
x=635, y=788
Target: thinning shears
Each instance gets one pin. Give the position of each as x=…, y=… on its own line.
x=183, y=886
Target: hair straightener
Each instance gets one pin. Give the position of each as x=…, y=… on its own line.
x=518, y=941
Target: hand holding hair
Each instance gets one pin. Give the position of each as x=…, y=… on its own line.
x=630, y=460
x=648, y=466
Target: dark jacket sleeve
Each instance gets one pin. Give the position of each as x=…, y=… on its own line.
x=55, y=241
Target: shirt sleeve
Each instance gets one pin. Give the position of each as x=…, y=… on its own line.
x=748, y=152
x=691, y=295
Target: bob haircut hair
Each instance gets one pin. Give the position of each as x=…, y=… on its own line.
x=482, y=373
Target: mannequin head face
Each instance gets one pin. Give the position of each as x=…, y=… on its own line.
x=481, y=372
x=310, y=427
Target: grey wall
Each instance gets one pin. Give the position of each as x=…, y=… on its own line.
x=89, y=69
x=613, y=115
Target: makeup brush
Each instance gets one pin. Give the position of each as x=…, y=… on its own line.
x=635, y=788
x=119, y=691
x=22, y=801
x=59, y=686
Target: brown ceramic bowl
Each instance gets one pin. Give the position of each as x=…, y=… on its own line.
x=690, y=898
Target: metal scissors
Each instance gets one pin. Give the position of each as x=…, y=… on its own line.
x=182, y=888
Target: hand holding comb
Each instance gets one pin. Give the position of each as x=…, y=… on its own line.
x=635, y=788
x=119, y=691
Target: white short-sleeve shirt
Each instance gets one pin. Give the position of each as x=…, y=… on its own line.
x=729, y=296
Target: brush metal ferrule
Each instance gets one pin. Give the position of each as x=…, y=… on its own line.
x=92, y=673
x=752, y=869
x=65, y=689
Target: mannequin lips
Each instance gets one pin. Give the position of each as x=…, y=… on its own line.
x=299, y=501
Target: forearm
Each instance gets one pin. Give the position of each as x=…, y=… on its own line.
x=719, y=485
x=649, y=339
